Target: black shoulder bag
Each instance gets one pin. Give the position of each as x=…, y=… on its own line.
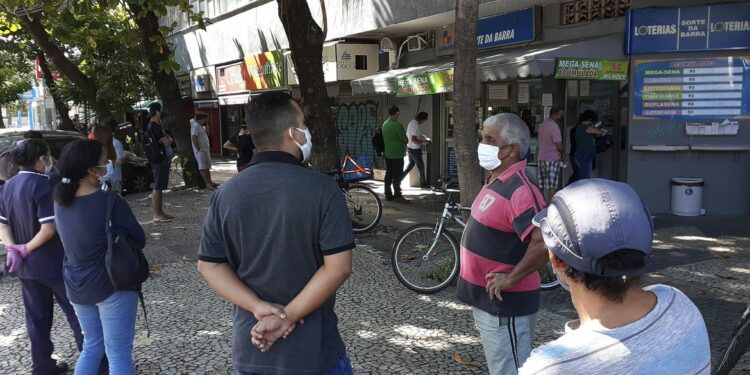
x=126, y=265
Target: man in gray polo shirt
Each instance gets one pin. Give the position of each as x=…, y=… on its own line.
x=277, y=243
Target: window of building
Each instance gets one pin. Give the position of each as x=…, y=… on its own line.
x=580, y=11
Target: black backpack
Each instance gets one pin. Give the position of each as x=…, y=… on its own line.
x=152, y=147
x=378, y=143
x=126, y=265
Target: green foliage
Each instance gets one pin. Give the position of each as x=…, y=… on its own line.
x=15, y=76
x=102, y=39
x=15, y=66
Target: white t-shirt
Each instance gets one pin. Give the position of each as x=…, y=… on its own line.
x=671, y=339
x=197, y=130
x=413, y=129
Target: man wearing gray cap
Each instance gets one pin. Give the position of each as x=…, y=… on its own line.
x=599, y=237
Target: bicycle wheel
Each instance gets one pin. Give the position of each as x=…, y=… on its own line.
x=549, y=277
x=738, y=345
x=365, y=208
x=419, y=271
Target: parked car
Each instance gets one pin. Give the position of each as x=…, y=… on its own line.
x=136, y=172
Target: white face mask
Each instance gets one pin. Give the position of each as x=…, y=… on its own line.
x=307, y=147
x=562, y=281
x=488, y=156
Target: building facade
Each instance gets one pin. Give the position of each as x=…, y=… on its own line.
x=532, y=55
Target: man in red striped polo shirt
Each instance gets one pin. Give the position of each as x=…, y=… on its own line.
x=501, y=250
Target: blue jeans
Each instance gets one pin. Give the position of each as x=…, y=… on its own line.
x=585, y=162
x=343, y=367
x=108, y=326
x=415, y=158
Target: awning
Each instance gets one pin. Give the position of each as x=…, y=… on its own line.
x=386, y=81
x=496, y=65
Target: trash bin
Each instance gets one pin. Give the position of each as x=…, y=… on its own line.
x=687, y=196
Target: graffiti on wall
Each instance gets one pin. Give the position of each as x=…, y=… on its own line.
x=356, y=123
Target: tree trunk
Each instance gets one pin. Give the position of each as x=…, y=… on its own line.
x=464, y=88
x=60, y=105
x=34, y=27
x=169, y=91
x=2, y=121
x=306, y=42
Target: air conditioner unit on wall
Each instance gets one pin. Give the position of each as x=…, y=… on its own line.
x=416, y=43
x=386, y=55
x=201, y=82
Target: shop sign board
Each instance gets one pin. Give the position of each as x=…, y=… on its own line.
x=266, y=70
x=494, y=31
x=231, y=78
x=591, y=69
x=425, y=83
x=695, y=28
x=714, y=88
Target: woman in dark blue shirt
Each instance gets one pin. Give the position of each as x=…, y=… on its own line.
x=35, y=253
x=106, y=315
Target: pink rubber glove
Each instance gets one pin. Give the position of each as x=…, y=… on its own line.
x=21, y=249
x=13, y=261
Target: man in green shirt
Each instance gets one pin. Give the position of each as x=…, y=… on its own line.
x=395, y=140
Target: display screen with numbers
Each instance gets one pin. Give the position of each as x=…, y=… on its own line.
x=717, y=88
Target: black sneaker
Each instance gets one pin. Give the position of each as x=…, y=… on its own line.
x=61, y=367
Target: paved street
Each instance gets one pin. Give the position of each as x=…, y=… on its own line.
x=387, y=328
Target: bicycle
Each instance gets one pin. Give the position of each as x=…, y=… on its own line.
x=426, y=257
x=365, y=207
x=738, y=345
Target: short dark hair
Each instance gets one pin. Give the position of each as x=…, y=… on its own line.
x=33, y=134
x=271, y=114
x=393, y=110
x=421, y=116
x=200, y=116
x=153, y=108
x=243, y=127
x=27, y=151
x=76, y=159
x=612, y=288
x=588, y=115
x=555, y=110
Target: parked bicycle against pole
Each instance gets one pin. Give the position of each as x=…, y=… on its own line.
x=365, y=207
x=425, y=257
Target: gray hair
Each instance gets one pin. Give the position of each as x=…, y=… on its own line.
x=512, y=130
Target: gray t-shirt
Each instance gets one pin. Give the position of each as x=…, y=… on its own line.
x=197, y=130
x=671, y=339
x=274, y=223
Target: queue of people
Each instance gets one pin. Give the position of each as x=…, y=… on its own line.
x=279, y=252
